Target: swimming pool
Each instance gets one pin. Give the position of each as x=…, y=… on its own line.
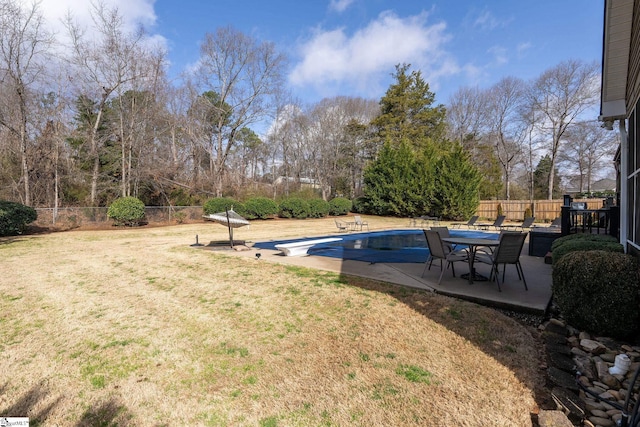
x=396, y=246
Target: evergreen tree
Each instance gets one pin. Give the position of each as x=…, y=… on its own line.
x=407, y=112
x=541, y=180
x=457, y=184
x=491, y=185
x=395, y=183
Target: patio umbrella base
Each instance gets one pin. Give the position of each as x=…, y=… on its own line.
x=477, y=277
x=224, y=244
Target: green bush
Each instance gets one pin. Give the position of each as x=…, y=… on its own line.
x=260, y=208
x=358, y=205
x=582, y=245
x=318, y=208
x=528, y=213
x=582, y=236
x=597, y=291
x=14, y=218
x=294, y=207
x=339, y=206
x=221, y=204
x=126, y=211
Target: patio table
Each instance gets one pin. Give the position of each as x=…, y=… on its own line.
x=473, y=243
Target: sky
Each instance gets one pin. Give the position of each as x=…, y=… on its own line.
x=351, y=47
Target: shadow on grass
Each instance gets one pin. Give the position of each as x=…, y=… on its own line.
x=32, y=404
x=476, y=323
x=110, y=413
x=7, y=240
x=26, y=405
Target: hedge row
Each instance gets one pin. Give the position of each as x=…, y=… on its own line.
x=292, y=207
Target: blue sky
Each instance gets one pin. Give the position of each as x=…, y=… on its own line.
x=350, y=47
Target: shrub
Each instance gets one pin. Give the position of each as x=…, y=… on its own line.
x=581, y=245
x=294, y=207
x=339, y=206
x=260, y=208
x=318, y=208
x=358, y=205
x=126, y=211
x=14, y=218
x=582, y=236
x=500, y=210
x=528, y=213
x=220, y=204
x=597, y=291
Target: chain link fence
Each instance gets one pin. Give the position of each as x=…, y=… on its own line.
x=77, y=217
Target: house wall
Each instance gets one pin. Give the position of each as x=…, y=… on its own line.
x=633, y=76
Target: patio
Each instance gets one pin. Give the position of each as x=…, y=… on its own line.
x=513, y=295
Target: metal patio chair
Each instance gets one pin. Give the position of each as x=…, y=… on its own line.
x=507, y=252
x=438, y=250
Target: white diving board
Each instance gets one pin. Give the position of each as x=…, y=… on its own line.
x=301, y=248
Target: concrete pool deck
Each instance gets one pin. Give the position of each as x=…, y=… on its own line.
x=513, y=295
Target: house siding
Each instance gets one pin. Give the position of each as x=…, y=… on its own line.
x=633, y=80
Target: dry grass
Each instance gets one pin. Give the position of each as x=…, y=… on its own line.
x=135, y=327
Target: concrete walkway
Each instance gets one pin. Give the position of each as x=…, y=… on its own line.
x=513, y=295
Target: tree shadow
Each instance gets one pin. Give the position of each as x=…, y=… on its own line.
x=24, y=406
x=478, y=326
x=7, y=240
x=107, y=413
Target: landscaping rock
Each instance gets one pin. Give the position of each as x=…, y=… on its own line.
x=603, y=422
x=553, y=419
x=570, y=403
x=592, y=358
x=591, y=346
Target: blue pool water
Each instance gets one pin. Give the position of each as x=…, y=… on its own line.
x=395, y=246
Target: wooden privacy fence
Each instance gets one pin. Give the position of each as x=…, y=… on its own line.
x=543, y=210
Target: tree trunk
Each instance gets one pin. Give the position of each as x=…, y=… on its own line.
x=95, y=174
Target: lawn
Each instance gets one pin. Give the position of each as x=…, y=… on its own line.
x=134, y=327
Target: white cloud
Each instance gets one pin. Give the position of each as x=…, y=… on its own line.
x=340, y=5
x=486, y=21
x=522, y=48
x=133, y=12
x=499, y=54
x=364, y=60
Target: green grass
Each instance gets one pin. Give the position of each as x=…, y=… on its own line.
x=414, y=374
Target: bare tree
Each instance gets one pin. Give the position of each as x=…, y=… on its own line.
x=285, y=135
x=107, y=66
x=23, y=49
x=335, y=141
x=505, y=129
x=137, y=111
x=587, y=145
x=465, y=116
x=468, y=123
x=560, y=96
x=245, y=75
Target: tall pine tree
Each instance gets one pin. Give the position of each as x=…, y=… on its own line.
x=407, y=111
